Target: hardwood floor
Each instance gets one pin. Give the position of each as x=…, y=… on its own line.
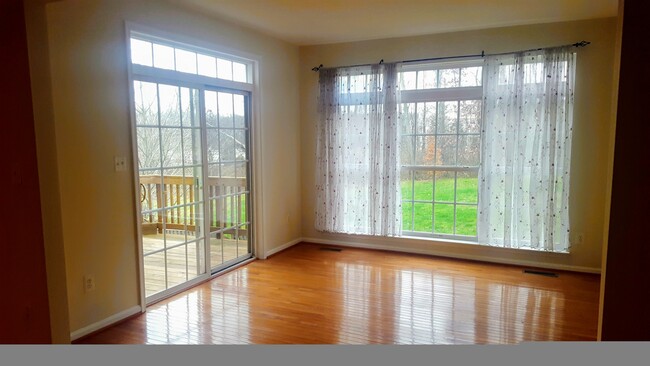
x=309, y=295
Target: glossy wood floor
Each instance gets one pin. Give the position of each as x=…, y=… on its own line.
x=356, y=296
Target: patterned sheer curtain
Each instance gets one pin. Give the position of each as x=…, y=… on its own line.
x=526, y=150
x=357, y=174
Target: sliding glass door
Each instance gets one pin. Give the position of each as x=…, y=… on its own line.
x=228, y=176
x=192, y=223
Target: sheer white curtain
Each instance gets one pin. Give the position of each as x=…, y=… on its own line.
x=526, y=150
x=357, y=172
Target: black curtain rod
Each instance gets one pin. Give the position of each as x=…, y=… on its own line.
x=482, y=54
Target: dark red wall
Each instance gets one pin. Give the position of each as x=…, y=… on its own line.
x=24, y=310
x=626, y=310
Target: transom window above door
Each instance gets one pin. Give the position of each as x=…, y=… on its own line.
x=165, y=55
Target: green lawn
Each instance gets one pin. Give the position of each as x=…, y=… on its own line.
x=442, y=212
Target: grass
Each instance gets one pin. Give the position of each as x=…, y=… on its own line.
x=438, y=217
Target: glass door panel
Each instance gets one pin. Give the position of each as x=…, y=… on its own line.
x=228, y=176
x=168, y=137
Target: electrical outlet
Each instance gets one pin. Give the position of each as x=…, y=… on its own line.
x=89, y=283
x=120, y=163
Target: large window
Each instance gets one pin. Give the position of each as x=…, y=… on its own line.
x=440, y=122
x=483, y=149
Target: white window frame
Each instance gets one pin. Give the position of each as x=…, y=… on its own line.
x=441, y=95
x=252, y=86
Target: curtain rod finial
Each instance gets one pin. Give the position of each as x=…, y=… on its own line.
x=317, y=68
x=581, y=43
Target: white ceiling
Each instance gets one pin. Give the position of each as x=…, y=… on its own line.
x=307, y=22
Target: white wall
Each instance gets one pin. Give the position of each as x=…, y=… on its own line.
x=91, y=124
x=592, y=128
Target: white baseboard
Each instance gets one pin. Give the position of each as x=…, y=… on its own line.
x=282, y=247
x=105, y=322
x=518, y=262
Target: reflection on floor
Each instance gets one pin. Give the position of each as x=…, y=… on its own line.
x=184, y=262
x=356, y=296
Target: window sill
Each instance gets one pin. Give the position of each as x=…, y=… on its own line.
x=445, y=240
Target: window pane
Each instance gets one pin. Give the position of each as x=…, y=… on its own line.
x=239, y=109
x=148, y=147
x=445, y=187
x=146, y=103
x=408, y=80
x=213, y=145
x=470, y=116
x=406, y=185
x=170, y=145
x=163, y=57
x=423, y=186
x=224, y=69
x=468, y=150
x=447, y=117
x=449, y=78
x=446, y=150
x=207, y=65
x=240, y=144
x=189, y=107
x=176, y=266
x=239, y=72
x=141, y=53
x=444, y=218
x=427, y=79
x=422, y=217
x=407, y=212
x=185, y=61
x=406, y=151
x=154, y=272
x=426, y=117
x=467, y=187
x=227, y=169
x=225, y=110
x=211, y=109
x=466, y=220
x=471, y=76
x=170, y=114
x=425, y=150
x=407, y=118
x=191, y=146
x=227, y=144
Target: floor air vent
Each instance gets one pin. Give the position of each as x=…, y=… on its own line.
x=541, y=273
x=331, y=249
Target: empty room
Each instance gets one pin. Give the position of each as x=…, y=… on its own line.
x=322, y=172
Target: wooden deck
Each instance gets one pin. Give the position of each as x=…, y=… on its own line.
x=356, y=296
x=182, y=262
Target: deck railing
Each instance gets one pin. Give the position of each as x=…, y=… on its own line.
x=178, y=195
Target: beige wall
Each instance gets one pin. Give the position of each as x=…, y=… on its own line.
x=88, y=61
x=592, y=127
